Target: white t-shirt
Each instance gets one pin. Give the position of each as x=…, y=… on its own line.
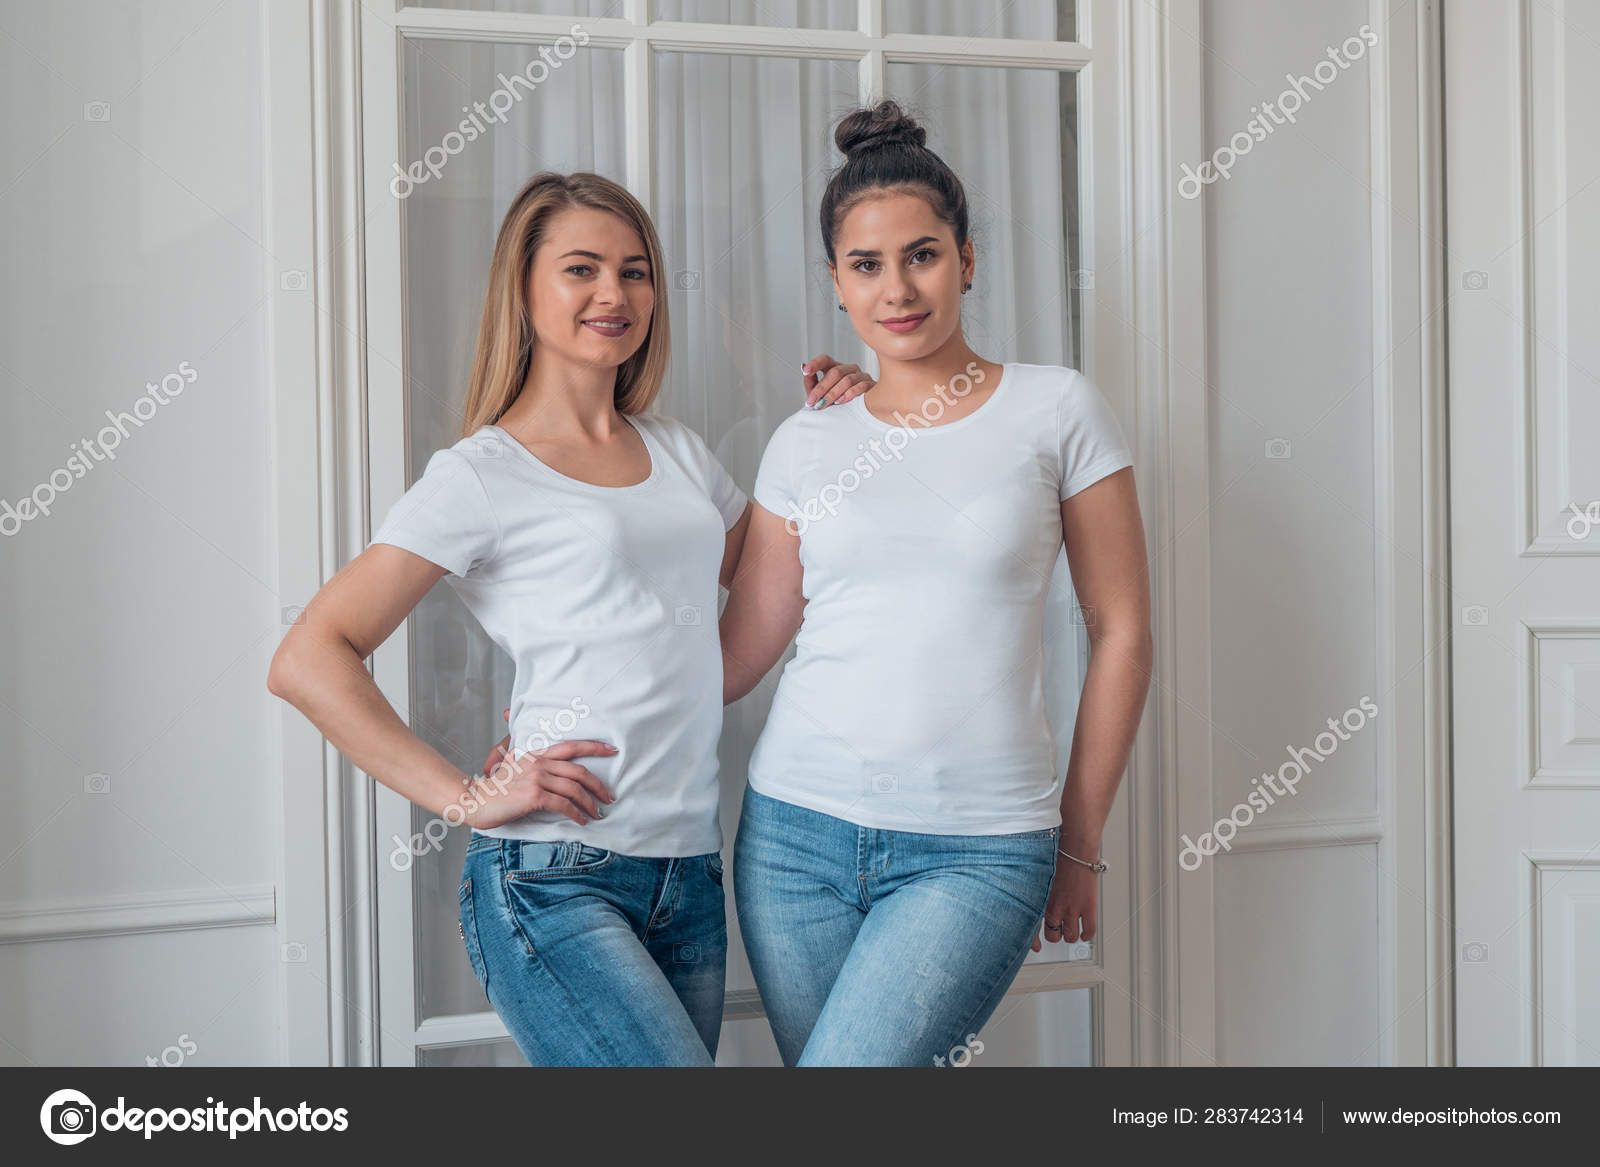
x=915, y=700
x=605, y=598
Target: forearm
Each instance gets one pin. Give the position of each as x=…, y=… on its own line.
x=330, y=685
x=1109, y=712
x=750, y=647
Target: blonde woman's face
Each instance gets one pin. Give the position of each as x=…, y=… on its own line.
x=591, y=290
x=899, y=274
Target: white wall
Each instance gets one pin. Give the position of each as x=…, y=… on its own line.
x=140, y=615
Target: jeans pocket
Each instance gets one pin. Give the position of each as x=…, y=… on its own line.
x=468, y=927
x=714, y=867
x=544, y=860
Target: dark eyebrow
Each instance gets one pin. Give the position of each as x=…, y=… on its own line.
x=601, y=258
x=912, y=246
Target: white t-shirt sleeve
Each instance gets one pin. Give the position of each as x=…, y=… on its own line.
x=774, y=488
x=446, y=517
x=717, y=483
x=725, y=494
x=1088, y=436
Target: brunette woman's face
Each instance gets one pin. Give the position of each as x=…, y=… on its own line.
x=899, y=274
x=590, y=289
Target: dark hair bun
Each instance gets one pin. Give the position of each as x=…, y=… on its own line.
x=885, y=124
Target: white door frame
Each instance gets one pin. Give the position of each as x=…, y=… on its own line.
x=338, y=377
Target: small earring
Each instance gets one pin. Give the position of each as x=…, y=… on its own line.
x=965, y=288
x=842, y=308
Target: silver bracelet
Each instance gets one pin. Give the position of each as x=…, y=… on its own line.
x=1098, y=866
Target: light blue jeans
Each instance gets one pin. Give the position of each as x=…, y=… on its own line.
x=594, y=958
x=882, y=948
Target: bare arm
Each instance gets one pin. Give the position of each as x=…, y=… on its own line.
x=319, y=669
x=765, y=604
x=733, y=547
x=1104, y=538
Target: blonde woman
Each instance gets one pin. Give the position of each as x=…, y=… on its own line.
x=587, y=534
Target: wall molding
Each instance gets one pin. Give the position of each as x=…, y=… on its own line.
x=1531, y=632
x=1530, y=308
x=1349, y=831
x=243, y=906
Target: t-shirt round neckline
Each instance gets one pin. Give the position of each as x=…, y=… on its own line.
x=592, y=487
x=1006, y=375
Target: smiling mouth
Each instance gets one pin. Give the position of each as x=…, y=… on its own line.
x=903, y=323
x=608, y=327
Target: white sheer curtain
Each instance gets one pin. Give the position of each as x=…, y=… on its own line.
x=743, y=151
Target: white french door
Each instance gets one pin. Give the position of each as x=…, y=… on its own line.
x=1522, y=80
x=718, y=115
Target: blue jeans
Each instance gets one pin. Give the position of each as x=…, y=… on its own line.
x=882, y=948
x=593, y=958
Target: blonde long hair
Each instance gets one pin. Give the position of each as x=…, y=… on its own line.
x=505, y=335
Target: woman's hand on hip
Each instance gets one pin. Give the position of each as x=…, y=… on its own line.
x=546, y=779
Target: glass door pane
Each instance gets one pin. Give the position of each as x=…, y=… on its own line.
x=774, y=13
x=1038, y=20
x=571, y=120
x=614, y=9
